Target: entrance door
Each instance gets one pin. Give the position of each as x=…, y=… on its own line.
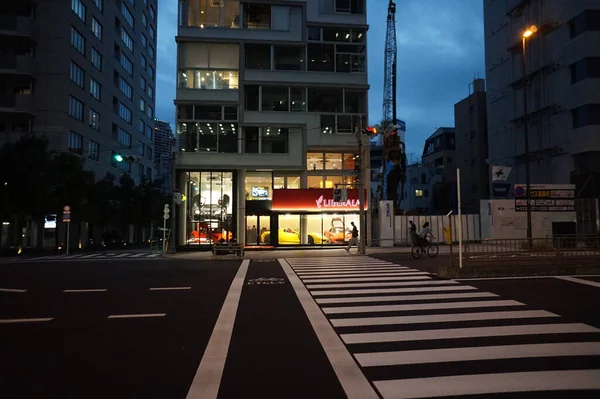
x=252, y=236
x=264, y=229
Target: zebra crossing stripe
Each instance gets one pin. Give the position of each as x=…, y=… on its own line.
x=455, y=333
x=383, y=284
x=489, y=383
x=89, y=256
x=350, y=277
x=354, y=270
x=441, y=318
x=394, y=290
x=405, y=298
x=421, y=306
x=354, y=279
x=398, y=358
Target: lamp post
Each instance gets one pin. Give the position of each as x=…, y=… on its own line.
x=527, y=34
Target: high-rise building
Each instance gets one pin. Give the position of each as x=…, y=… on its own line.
x=164, y=143
x=269, y=97
x=471, y=155
x=559, y=70
x=82, y=73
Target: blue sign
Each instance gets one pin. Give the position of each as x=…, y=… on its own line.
x=501, y=189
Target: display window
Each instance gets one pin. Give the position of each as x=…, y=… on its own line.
x=259, y=185
x=258, y=230
x=209, y=207
x=325, y=229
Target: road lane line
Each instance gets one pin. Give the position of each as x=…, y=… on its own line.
x=210, y=371
x=455, y=333
x=86, y=290
x=580, y=281
x=169, y=288
x=463, y=385
x=441, y=318
x=397, y=358
x=135, y=315
x=351, y=378
x=420, y=306
x=394, y=290
x=404, y=298
x=13, y=321
x=11, y=290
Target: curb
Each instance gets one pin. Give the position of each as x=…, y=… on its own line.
x=516, y=271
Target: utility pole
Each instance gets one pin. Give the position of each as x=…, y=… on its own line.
x=361, y=192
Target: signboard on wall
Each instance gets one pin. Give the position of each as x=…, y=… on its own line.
x=545, y=197
x=314, y=200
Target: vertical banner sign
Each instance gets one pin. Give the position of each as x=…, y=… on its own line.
x=386, y=223
x=67, y=220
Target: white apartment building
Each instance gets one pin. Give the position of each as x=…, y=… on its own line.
x=269, y=96
x=562, y=62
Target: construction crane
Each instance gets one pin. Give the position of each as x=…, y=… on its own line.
x=393, y=170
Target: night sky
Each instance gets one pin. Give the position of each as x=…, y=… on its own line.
x=440, y=50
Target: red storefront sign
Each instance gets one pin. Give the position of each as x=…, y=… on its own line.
x=314, y=200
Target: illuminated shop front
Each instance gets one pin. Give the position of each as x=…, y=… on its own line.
x=311, y=217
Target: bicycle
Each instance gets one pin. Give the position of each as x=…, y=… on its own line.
x=420, y=248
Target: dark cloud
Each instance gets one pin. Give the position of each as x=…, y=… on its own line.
x=440, y=49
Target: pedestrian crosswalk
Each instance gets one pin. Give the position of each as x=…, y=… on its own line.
x=101, y=256
x=415, y=336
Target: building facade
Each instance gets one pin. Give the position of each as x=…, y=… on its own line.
x=81, y=73
x=269, y=97
x=164, y=145
x=559, y=71
x=439, y=156
x=421, y=181
x=471, y=156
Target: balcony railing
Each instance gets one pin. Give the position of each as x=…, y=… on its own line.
x=17, y=64
x=11, y=25
x=20, y=103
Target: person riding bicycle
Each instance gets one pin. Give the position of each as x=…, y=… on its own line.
x=421, y=239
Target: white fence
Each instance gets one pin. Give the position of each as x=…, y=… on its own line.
x=471, y=230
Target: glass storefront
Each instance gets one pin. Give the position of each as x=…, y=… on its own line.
x=321, y=229
x=209, y=207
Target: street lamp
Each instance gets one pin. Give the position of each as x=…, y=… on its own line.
x=526, y=35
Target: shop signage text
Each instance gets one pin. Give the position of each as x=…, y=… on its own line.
x=313, y=200
x=329, y=203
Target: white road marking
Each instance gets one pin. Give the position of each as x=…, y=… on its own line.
x=374, y=285
x=153, y=255
x=421, y=306
x=520, y=277
x=353, y=279
x=384, y=272
x=441, y=318
x=455, y=333
x=137, y=255
x=86, y=290
x=393, y=290
x=89, y=256
x=353, y=381
x=477, y=353
x=489, y=383
x=170, y=288
x=136, y=315
x=13, y=321
x=354, y=270
x=580, y=281
x=11, y=290
x=122, y=255
x=360, y=275
x=403, y=298
x=210, y=371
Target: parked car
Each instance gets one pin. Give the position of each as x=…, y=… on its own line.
x=337, y=234
x=292, y=236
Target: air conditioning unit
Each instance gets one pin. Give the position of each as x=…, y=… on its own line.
x=217, y=3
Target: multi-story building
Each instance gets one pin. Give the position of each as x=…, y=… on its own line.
x=438, y=154
x=82, y=73
x=269, y=96
x=419, y=189
x=471, y=156
x=164, y=144
x=559, y=68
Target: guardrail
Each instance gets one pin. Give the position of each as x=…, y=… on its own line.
x=536, y=248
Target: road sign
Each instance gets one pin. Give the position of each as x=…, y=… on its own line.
x=66, y=209
x=66, y=217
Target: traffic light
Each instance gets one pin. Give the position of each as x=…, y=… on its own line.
x=369, y=131
x=125, y=158
x=166, y=212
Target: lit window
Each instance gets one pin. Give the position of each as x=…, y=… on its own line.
x=97, y=29
x=418, y=193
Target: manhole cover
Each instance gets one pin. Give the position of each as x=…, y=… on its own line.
x=266, y=281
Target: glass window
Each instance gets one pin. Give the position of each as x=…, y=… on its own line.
x=99, y=4
x=289, y=230
x=79, y=9
x=230, y=113
x=150, y=71
x=96, y=59
x=258, y=56
x=331, y=181
x=127, y=14
x=144, y=41
x=126, y=64
x=151, y=52
x=140, y=147
x=150, y=92
x=315, y=181
x=152, y=14
x=149, y=111
x=95, y=89
x=274, y=98
x=77, y=41
x=278, y=182
x=141, y=126
x=323, y=99
x=77, y=74
x=209, y=206
x=76, y=108
x=124, y=138
x=207, y=112
x=97, y=29
x=258, y=16
x=354, y=102
x=93, y=151
x=259, y=185
x=149, y=132
x=251, y=135
x=142, y=83
x=333, y=161
x=320, y=57
x=289, y=58
x=125, y=88
x=186, y=136
x=124, y=113
x=298, y=99
x=152, y=33
x=94, y=119
x=349, y=161
x=144, y=20
x=252, y=96
x=142, y=104
x=127, y=39
x=336, y=34
x=143, y=62
x=314, y=161
x=328, y=124
x=314, y=33
x=293, y=182
x=210, y=14
x=274, y=140
x=210, y=79
x=228, y=138
x=75, y=143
